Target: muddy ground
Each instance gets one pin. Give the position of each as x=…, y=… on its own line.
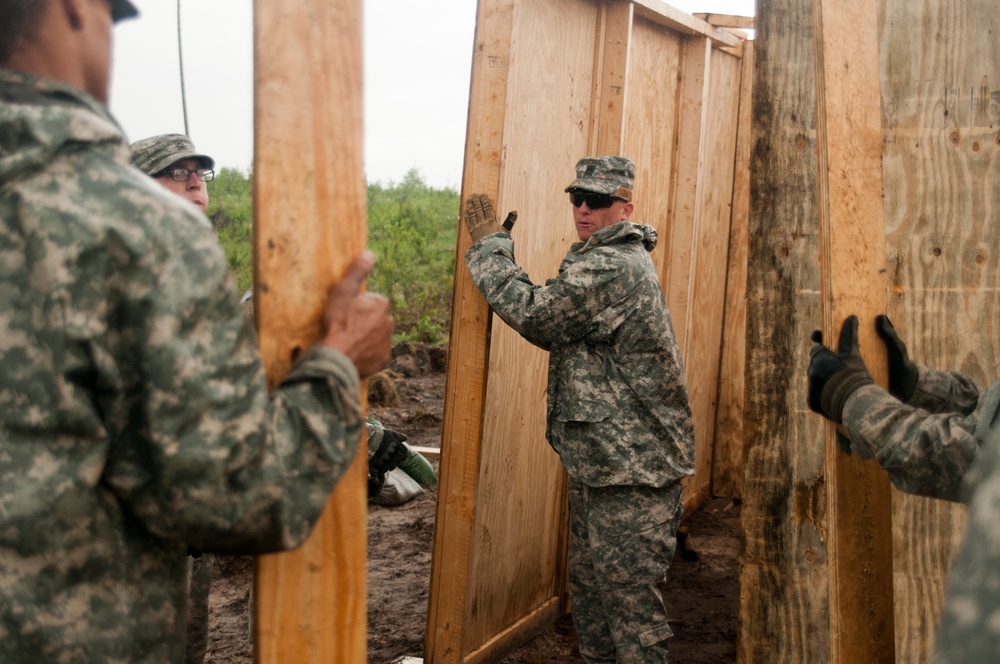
x=702, y=591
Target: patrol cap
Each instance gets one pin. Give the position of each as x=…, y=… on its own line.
x=122, y=9
x=604, y=175
x=152, y=155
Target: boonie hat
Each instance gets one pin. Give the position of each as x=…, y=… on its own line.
x=152, y=155
x=122, y=9
x=604, y=175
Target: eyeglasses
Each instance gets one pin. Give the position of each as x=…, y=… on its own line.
x=594, y=201
x=184, y=174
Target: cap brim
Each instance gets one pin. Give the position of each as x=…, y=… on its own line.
x=165, y=162
x=593, y=186
x=121, y=9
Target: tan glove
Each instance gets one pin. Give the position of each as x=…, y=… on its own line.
x=480, y=218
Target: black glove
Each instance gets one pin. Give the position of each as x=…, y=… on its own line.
x=903, y=372
x=390, y=453
x=835, y=376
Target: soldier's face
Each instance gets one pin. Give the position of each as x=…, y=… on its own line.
x=590, y=221
x=194, y=189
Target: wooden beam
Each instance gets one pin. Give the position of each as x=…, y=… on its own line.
x=611, y=64
x=727, y=20
x=468, y=356
x=310, y=199
x=727, y=444
x=853, y=281
x=663, y=14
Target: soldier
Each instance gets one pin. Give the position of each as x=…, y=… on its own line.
x=618, y=411
x=172, y=160
x=135, y=422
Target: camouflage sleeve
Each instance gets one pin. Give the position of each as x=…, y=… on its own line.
x=201, y=453
x=926, y=454
x=969, y=630
x=944, y=392
x=588, y=298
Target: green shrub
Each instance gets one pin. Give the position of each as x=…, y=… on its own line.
x=411, y=228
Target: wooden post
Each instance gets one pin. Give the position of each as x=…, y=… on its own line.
x=310, y=200
x=461, y=435
x=853, y=281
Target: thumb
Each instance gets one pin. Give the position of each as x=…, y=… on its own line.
x=849, y=335
x=355, y=274
x=885, y=328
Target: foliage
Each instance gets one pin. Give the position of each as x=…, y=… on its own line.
x=230, y=207
x=411, y=228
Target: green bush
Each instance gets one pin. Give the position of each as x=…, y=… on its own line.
x=411, y=228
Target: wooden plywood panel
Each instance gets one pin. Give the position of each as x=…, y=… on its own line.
x=849, y=146
x=783, y=601
x=309, y=223
x=727, y=447
x=516, y=561
x=709, y=262
x=651, y=127
x=941, y=66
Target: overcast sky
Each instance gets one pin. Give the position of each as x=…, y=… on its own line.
x=418, y=58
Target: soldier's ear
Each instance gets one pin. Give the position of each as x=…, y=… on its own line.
x=627, y=210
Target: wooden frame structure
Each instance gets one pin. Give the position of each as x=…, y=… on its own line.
x=938, y=141
x=555, y=80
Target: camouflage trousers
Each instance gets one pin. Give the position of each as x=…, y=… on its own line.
x=621, y=542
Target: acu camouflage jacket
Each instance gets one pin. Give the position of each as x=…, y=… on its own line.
x=928, y=444
x=618, y=411
x=134, y=417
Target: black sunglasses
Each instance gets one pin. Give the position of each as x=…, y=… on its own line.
x=184, y=174
x=593, y=201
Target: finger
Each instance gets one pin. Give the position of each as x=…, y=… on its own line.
x=508, y=223
x=817, y=336
x=849, y=335
x=885, y=328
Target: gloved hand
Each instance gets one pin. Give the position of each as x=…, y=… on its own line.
x=481, y=220
x=903, y=372
x=389, y=451
x=835, y=376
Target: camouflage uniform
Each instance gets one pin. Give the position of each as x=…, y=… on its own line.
x=969, y=630
x=619, y=418
x=134, y=417
x=927, y=444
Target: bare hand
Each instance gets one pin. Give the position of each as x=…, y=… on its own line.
x=359, y=325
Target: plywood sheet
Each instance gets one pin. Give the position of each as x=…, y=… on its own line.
x=941, y=68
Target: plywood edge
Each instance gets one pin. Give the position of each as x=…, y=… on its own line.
x=663, y=14
x=727, y=20
x=518, y=634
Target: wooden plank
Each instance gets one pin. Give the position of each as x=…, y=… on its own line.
x=310, y=199
x=783, y=601
x=674, y=19
x=849, y=147
x=708, y=265
x=941, y=195
x=727, y=445
x=465, y=385
x=726, y=20
x=429, y=452
x=611, y=64
x=685, y=200
x=519, y=633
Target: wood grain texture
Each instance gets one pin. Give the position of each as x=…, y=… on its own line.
x=784, y=585
x=709, y=261
x=685, y=201
x=852, y=281
x=465, y=387
x=309, y=223
x=727, y=443
x=941, y=64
